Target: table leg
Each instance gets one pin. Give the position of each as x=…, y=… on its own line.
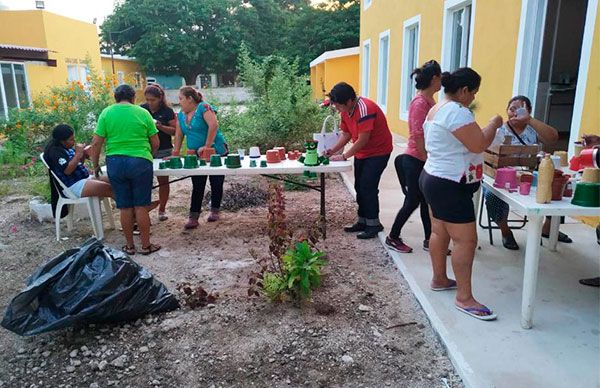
x=554, y=226
x=323, y=219
x=532, y=259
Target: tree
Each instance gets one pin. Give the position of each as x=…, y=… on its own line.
x=182, y=37
x=191, y=37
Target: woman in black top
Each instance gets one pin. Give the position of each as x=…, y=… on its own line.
x=164, y=116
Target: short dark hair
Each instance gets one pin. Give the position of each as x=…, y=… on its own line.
x=341, y=93
x=124, y=93
x=459, y=78
x=424, y=74
x=524, y=99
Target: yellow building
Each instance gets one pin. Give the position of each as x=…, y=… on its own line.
x=332, y=67
x=127, y=70
x=49, y=48
x=548, y=50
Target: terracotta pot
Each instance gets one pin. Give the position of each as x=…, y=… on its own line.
x=558, y=186
x=281, y=151
x=273, y=156
x=291, y=155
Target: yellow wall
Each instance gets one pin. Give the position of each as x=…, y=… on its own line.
x=497, y=69
x=331, y=71
x=590, y=121
x=129, y=68
x=69, y=42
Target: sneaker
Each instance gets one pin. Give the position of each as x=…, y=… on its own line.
x=162, y=216
x=369, y=232
x=213, y=216
x=192, y=223
x=356, y=227
x=397, y=245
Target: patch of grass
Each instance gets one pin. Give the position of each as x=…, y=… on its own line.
x=5, y=189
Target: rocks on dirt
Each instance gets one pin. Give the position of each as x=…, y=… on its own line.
x=364, y=308
x=346, y=359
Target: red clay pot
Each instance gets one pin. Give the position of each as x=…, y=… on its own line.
x=273, y=156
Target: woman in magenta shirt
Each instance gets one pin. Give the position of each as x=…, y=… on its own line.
x=410, y=164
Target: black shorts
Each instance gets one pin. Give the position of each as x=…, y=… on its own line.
x=449, y=201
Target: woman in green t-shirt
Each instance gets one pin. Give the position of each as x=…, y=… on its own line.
x=131, y=138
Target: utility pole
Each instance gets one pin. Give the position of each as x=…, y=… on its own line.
x=110, y=43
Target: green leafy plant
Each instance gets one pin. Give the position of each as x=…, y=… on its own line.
x=282, y=112
x=303, y=265
x=291, y=269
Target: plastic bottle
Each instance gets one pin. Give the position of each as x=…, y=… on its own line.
x=545, y=177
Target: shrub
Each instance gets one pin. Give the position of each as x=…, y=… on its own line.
x=290, y=269
x=282, y=113
x=26, y=131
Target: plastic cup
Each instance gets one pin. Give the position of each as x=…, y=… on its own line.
x=253, y=163
x=263, y=163
x=202, y=162
x=162, y=165
x=241, y=152
x=525, y=188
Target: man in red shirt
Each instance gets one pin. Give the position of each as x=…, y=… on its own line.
x=365, y=124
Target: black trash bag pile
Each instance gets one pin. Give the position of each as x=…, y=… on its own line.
x=90, y=284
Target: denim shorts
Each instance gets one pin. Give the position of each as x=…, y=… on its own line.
x=77, y=187
x=131, y=180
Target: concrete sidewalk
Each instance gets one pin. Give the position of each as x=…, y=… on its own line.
x=563, y=347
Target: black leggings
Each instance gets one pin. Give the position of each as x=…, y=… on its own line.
x=408, y=169
x=216, y=192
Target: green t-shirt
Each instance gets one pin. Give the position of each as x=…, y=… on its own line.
x=126, y=129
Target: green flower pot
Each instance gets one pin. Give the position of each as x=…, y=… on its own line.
x=190, y=161
x=162, y=165
x=233, y=161
x=587, y=195
x=175, y=163
x=215, y=161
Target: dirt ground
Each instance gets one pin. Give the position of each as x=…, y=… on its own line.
x=374, y=335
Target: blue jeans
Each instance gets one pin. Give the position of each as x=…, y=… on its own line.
x=131, y=180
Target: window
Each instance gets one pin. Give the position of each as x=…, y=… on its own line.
x=121, y=77
x=366, y=68
x=77, y=73
x=383, y=69
x=458, y=38
x=14, y=91
x=410, y=60
x=367, y=3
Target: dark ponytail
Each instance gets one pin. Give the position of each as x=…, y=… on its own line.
x=60, y=133
x=188, y=91
x=458, y=79
x=424, y=75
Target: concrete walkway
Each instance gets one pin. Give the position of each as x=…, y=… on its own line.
x=562, y=349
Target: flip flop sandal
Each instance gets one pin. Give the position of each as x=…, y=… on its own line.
x=452, y=286
x=129, y=250
x=592, y=282
x=472, y=311
x=149, y=249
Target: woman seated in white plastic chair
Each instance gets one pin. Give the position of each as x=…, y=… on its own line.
x=65, y=159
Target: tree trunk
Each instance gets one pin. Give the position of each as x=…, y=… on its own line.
x=190, y=78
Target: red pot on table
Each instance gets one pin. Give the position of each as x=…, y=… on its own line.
x=281, y=151
x=273, y=156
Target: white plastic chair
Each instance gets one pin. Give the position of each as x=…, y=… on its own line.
x=92, y=203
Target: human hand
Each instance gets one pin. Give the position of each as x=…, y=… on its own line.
x=337, y=158
x=328, y=152
x=79, y=151
x=496, y=121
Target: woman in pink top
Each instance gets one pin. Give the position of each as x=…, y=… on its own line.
x=410, y=164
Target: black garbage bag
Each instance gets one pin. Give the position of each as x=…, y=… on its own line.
x=90, y=284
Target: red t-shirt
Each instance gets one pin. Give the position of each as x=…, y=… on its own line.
x=368, y=117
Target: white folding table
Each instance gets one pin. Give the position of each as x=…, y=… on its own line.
x=535, y=212
x=285, y=167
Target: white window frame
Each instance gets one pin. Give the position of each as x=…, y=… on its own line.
x=367, y=4
x=14, y=77
x=406, y=81
x=382, y=85
x=366, y=69
x=451, y=6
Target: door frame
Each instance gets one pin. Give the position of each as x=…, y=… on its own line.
x=529, y=52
